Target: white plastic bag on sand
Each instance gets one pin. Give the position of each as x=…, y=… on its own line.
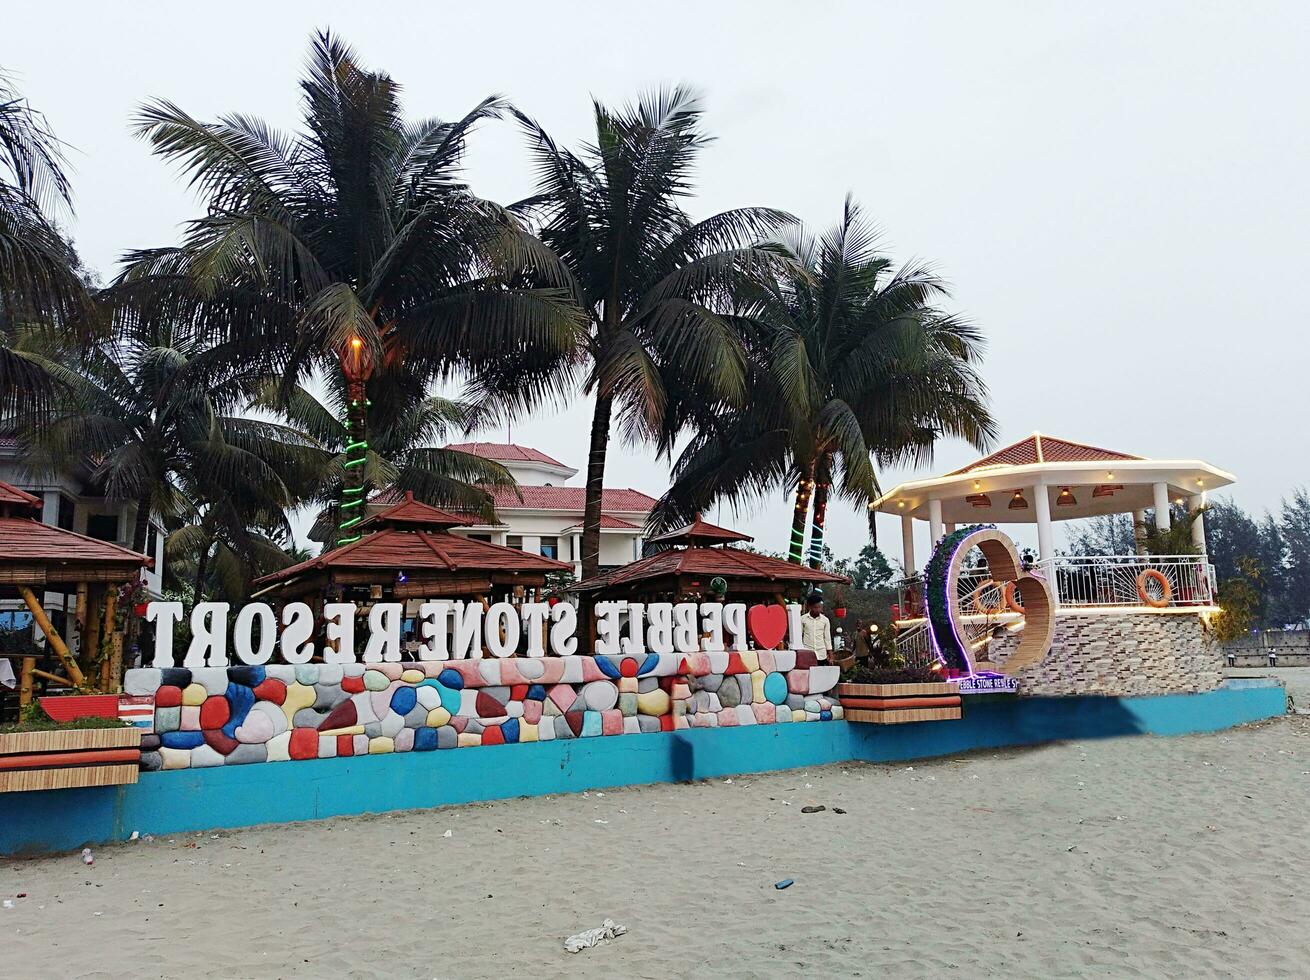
x=608, y=930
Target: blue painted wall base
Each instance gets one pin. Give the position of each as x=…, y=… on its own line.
x=242, y=796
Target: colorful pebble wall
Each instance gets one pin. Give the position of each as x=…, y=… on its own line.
x=216, y=716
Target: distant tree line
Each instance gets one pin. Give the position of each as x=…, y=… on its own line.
x=1270, y=554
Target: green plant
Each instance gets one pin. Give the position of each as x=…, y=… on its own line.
x=50, y=725
x=862, y=673
x=1239, y=602
x=1176, y=539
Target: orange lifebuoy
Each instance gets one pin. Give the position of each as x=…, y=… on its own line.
x=1012, y=597
x=1166, y=590
x=978, y=605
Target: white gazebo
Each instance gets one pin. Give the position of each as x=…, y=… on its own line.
x=1041, y=479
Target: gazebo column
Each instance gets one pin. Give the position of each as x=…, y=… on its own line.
x=1161, y=494
x=1139, y=523
x=935, y=531
x=907, y=545
x=1194, y=504
x=1045, y=538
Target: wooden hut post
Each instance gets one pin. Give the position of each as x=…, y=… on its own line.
x=91, y=638
x=111, y=666
x=52, y=636
x=83, y=600
x=25, y=682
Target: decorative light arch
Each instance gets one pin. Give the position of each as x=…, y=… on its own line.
x=941, y=587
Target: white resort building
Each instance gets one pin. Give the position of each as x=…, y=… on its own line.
x=543, y=516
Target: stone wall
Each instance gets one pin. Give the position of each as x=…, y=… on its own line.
x=1122, y=655
x=216, y=716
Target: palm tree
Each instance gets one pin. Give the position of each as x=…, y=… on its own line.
x=147, y=415
x=404, y=452
x=852, y=365
x=659, y=289
x=352, y=246
x=40, y=276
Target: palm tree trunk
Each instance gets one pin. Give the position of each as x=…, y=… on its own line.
x=142, y=524
x=202, y=568
x=824, y=479
x=800, y=513
x=600, y=437
x=350, y=511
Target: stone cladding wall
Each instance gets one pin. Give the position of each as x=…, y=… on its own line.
x=216, y=716
x=1122, y=655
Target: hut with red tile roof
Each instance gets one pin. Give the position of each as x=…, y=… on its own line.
x=407, y=552
x=692, y=557
x=36, y=559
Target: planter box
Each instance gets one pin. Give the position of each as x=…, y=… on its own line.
x=69, y=759
x=897, y=704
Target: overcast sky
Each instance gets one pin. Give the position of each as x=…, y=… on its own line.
x=1116, y=191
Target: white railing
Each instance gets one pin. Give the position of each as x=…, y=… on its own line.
x=1163, y=581
x=914, y=646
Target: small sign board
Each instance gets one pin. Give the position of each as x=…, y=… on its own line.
x=988, y=684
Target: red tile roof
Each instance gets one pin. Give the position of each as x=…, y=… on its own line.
x=506, y=452
x=728, y=562
x=24, y=541
x=10, y=494
x=572, y=499
x=699, y=530
x=1044, y=449
x=410, y=551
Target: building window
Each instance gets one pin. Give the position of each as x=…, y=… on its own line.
x=67, y=509
x=514, y=541
x=480, y=537
x=152, y=541
x=102, y=527
x=550, y=547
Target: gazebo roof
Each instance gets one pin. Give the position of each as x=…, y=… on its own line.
x=731, y=563
x=44, y=553
x=699, y=532
x=1099, y=481
x=1038, y=448
x=396, y=547
x=410, y=513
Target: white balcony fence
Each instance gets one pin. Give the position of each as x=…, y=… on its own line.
x=1159, y=581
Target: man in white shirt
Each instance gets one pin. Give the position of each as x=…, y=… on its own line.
x=816, y=631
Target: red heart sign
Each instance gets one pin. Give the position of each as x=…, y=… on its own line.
x=768, y=624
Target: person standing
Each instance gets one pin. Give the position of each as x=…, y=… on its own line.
x=816, y=631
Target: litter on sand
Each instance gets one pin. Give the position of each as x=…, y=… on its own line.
x=785, y=883
x=813, y=809
x=609, y=929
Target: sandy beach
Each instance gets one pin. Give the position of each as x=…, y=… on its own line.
x=1140, y=857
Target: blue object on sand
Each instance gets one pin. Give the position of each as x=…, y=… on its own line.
x=785, y=883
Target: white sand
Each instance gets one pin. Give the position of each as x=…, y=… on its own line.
x=1140, y=857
